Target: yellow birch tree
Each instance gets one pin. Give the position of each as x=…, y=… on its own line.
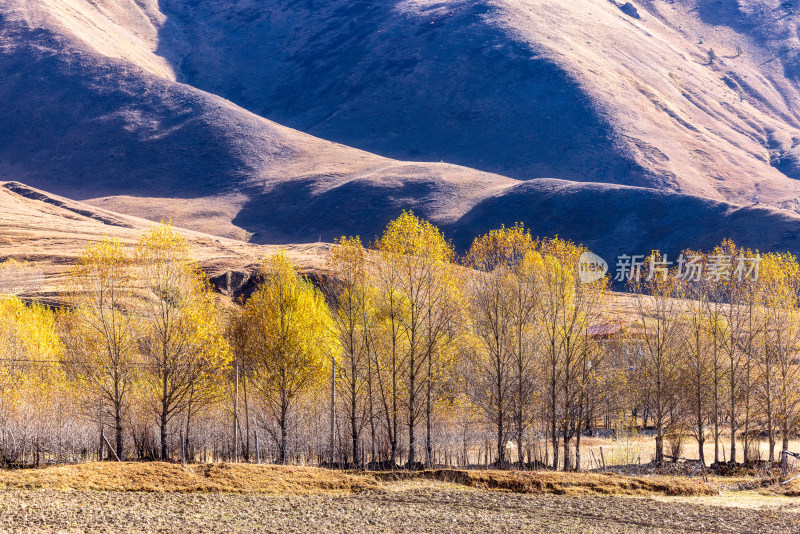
x=291, y=337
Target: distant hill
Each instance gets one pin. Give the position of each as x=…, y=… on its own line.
x=44, y=233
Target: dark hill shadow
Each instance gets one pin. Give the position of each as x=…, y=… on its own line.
x=293, y=212
x=445, y=84
x=613, y=220
x=610, y=220
x=85, y=127
x=723, y=13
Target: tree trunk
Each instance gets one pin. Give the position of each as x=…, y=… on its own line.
x=785, y=435
x=701, y=438
x=428, y=413
x=659, y=444
x=246, y=421
x=746, y=454
x=771, y=446
x=394, y=417
x=284, y=436
x=500, y=442
x=412, y=441
x=428, y=439
x=578, y=444
x=163, y=428
x=733, y=412
x=519, y=415
x=412, y=400
x=188, y=423
x=371, y=415
x=354, y=430
x=236, y=414
x=118, y=430
x=716, y=399
x=332, y=437
x=770, y=422
x=553, y=422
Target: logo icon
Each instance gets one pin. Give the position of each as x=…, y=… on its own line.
x=591, y=267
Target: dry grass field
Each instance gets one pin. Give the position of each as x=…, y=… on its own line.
x=293, y=480
x=156, y=497
x=627, y=450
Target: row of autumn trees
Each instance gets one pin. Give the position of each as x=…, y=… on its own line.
x=401, y=354
x=720, y=354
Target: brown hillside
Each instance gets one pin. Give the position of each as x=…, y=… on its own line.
x=574, y=117
x=50, y=231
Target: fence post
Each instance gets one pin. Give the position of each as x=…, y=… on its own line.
x=258, y=452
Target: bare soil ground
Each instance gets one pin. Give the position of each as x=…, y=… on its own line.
x=406, y=507
x=219, y=498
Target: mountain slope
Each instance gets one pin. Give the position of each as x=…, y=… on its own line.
x=101, y=129
x=421, y=82
x=99, y=104
x=525, y=88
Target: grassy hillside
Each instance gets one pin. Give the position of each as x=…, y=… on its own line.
x=46, y=233
x=162, y=110
x=526, y=88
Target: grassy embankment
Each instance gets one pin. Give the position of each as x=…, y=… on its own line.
x=292, y=480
